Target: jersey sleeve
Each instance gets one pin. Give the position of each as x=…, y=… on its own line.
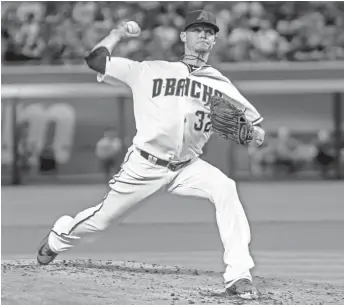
x=237, y=98
x=122, y=69
x=230, y=92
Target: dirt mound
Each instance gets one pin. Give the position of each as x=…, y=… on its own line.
x=89, y=282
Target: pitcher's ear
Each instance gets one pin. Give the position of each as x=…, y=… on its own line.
x=183, y=36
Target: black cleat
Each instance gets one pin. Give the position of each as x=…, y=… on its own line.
x=244, y=289
x=45, y=255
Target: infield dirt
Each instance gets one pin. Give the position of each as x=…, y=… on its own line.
x=116, y=282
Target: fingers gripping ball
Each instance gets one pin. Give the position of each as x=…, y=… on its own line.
x=132, y=28
x=229, y=122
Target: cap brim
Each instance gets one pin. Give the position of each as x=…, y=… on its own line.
x=203, y=22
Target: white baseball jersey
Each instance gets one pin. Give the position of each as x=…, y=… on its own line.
x=171, y=104
x=171, y=107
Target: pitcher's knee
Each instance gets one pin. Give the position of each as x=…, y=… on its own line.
x=224, y=189
x=230, y=184
x=226, y=184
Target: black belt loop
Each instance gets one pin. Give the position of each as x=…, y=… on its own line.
x=173, y=166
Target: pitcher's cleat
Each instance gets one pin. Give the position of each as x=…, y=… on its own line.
x=244, y=289
x=45, y=255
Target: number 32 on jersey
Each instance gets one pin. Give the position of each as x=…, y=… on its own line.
x=203, y=122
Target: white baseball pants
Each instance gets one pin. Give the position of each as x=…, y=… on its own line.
x=139, y=179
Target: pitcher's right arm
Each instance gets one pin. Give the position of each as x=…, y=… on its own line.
x=100, y=59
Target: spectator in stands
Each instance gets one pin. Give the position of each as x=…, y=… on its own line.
x=108, y=151
x=262, y=160
x=286, y=157
x=326, y=153
x=60, y=32
x=283, y=155
x=25, y=149
x=264, y=40
x=29, y=38
x=4, y=43
x=47, y=160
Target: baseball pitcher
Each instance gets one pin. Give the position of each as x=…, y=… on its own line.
x=177, y=107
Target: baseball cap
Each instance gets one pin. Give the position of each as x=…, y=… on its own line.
x=200, y=16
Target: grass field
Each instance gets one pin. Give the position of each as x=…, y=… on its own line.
x=296, y=228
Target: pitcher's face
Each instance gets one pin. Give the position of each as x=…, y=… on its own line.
x=199, y=38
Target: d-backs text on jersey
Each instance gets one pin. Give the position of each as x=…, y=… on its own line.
x=183, y=87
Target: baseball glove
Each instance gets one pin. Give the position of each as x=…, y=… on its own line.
x=229, y=122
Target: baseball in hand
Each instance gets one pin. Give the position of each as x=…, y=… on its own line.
x=132, y=28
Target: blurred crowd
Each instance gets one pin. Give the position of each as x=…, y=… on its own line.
x=287, y=154
x=64, y=32
x=35, y=160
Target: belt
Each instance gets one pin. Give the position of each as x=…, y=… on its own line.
x=173, y=166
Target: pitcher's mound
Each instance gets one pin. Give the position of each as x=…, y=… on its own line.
x=89, y=282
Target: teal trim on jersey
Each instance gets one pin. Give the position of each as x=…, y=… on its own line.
x=80, y=222
x=87, y=218
x=211, y=77
x=186, y=66
x=189, y=68
x=102, y=203
x=257, y=121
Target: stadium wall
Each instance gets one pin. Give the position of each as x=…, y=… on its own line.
x=300, y=112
